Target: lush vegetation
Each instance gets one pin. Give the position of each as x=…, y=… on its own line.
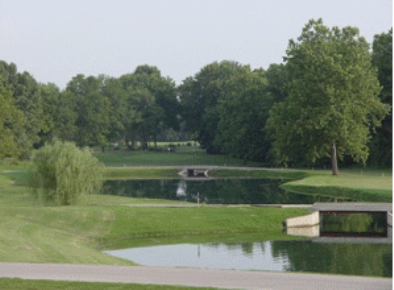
x=19, y=284
x=327, y=100
x=62, y=174
x=332, y=102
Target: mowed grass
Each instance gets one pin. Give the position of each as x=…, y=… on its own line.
x=141, y=173
x=75, y=234
x=373, y=187
x=181, y=157
x=19, y=284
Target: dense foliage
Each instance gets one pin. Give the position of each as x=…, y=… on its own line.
x=332, y=101
x=329, y=90
x=61, y=173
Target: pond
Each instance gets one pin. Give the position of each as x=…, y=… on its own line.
x=282, y=256
x=218, y=191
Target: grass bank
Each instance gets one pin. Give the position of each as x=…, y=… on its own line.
x=19, y=284
x=360, y=185
x=370, y=188
x=75, y=234
x=141, y=173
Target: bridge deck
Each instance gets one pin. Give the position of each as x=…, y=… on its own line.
x=353, y=207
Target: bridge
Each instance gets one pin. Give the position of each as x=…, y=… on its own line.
x=309, y=225
x=352, y=207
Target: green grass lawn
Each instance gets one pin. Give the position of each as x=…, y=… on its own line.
x=182, y=157
x=373, y=187
x=19, y=284
x=141, y=173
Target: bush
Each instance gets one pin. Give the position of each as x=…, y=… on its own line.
x=61, y=173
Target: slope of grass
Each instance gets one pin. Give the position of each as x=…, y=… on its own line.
x=141, y=173
x=357, y=187
x=264, y=174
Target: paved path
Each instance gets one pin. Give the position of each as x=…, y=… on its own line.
x=230, y=279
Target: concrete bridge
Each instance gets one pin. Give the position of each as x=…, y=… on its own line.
x=352, y=207
x=309, y=225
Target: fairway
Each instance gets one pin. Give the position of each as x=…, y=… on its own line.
x=181, y=157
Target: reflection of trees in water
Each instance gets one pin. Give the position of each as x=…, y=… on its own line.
x=353, y=223
x=230, y=191
x=365, y=259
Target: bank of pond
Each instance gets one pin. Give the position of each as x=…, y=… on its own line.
x=288, y=254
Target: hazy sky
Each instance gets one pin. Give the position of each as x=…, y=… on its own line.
x=54, y=40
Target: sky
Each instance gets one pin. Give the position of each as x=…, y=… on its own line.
x=55, y=40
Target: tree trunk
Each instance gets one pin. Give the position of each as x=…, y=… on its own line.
x=334, y=160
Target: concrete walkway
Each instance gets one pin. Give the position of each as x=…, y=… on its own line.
x=230, y=279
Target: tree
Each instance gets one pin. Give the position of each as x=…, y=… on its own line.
x=382, y=58
x=61, y=173
x=92, y=109
x=28, y=100
x=10, y=117
x=199, y=97
x=332, y=98
x=50, y=103
x=243, y=112
x=152, y=103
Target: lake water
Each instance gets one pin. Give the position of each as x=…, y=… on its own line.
x=365, y=259
x=282, y=256
x=218, y=191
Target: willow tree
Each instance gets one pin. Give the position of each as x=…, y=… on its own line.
x=61, y=173
x=332, y=97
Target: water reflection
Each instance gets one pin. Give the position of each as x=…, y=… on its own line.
x=230, y=191
x=355, y=224
x=283, y=256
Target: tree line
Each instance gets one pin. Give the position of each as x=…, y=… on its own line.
x=331, y=98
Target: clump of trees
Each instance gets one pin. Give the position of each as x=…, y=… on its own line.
x=61, y=173
x=327, y=100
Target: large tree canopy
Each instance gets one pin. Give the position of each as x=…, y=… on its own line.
x=243, y=111
x=199, y=98
x=332, y=100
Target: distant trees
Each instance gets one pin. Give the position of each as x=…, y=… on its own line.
x=10, y=119
x=324, y=101
x=332, y=98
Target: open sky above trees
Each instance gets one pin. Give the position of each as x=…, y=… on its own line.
x=56, y=40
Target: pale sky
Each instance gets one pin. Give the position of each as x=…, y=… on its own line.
x=55, y=40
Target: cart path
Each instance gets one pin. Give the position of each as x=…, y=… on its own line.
x=230, y=279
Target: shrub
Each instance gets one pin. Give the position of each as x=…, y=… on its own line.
x=61, y=173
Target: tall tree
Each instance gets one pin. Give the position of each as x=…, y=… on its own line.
x=10, y=117
x=92, y=109
x=50, y=103
x=382, y=58
x=152, y=101
x=28, y=100
x=199, y=98
x=332, y=96
x=243, y=112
